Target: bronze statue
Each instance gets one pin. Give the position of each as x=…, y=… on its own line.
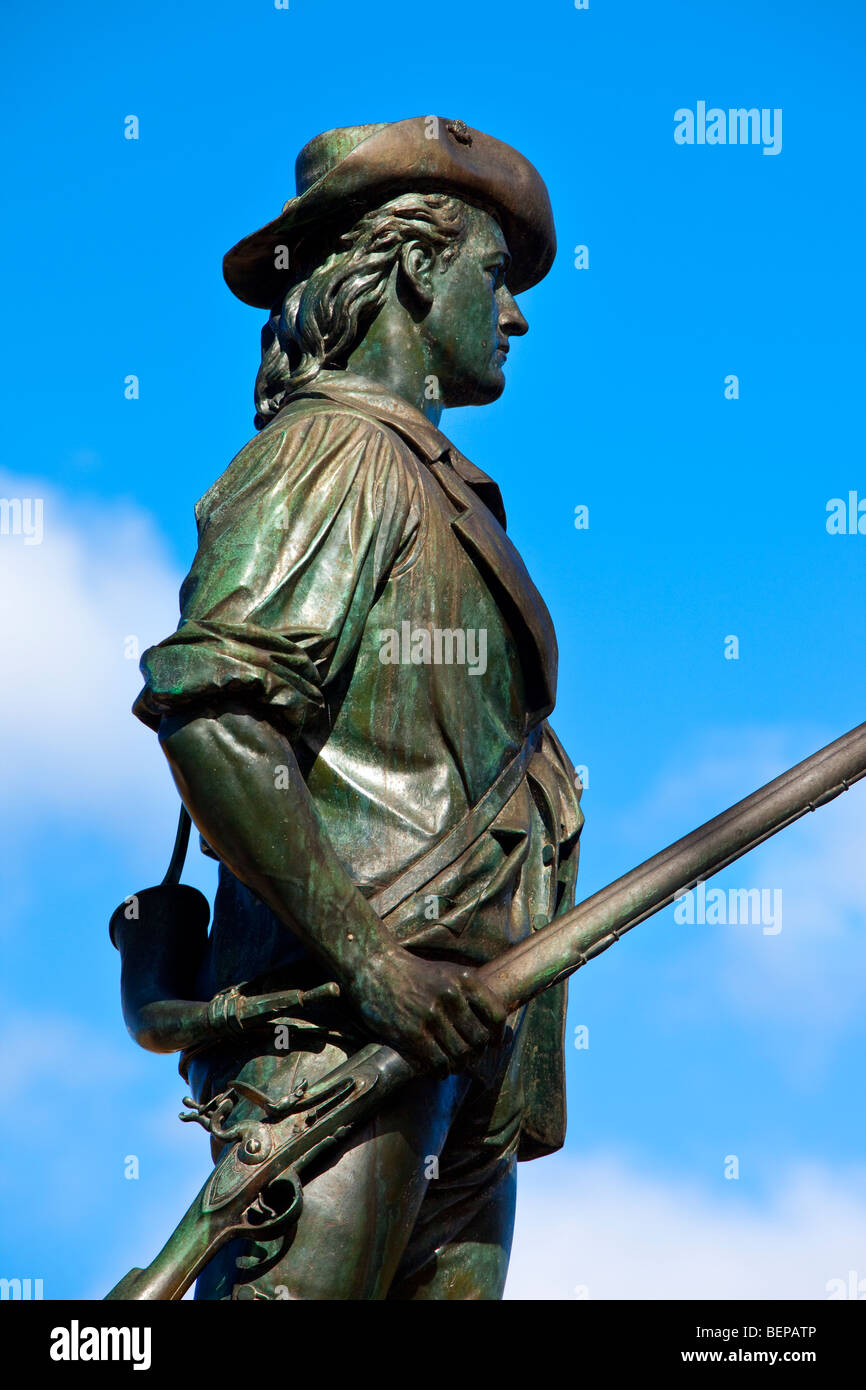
x=358, y=689
x=354, y=708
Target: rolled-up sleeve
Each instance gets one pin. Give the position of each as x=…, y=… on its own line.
x=295, y=541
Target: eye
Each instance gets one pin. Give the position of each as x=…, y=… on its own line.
x=496, y=273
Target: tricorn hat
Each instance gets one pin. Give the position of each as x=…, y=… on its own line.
x=343, y=173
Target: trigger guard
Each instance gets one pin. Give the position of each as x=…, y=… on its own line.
x=263, y=1221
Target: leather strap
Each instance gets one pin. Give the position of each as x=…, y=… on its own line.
x=181, y=842
x=457, y=840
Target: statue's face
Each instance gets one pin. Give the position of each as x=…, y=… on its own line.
x=472, y=317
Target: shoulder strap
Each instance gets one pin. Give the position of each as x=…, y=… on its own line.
x=178, y=854
x=457, y=840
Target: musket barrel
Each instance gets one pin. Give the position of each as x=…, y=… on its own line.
x=585, y=931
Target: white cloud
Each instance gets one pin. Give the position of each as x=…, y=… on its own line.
x=814, y=971
x=809, y=979
x=100, y=576
x=598, y=1228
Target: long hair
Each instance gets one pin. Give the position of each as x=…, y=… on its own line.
x=323, y=317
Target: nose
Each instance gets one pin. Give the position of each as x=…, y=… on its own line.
x=511, y=321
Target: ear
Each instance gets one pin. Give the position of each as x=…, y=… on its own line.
x=416, y=272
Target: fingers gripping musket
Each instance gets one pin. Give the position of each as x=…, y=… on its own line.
x=255, y=1190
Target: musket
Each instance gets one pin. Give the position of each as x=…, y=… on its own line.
x=255, y=1189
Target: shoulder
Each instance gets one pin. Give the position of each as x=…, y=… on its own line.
x=315, y=438
x=334, y=428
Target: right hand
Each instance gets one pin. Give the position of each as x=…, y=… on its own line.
x=437, y=1013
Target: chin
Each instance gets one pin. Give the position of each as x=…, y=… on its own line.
x=483, y=391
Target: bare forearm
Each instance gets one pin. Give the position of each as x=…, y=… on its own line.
x=242, y=786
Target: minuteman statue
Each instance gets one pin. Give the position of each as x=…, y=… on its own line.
x=354, y=710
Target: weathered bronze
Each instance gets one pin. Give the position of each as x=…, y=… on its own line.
x=354, y=709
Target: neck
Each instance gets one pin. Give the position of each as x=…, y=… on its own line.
x=394, y=355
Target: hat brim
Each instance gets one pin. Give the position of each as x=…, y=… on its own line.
x=403, y=156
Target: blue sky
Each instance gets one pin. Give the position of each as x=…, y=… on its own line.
x=707, y=519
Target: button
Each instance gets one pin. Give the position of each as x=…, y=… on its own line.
x=548, y=854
